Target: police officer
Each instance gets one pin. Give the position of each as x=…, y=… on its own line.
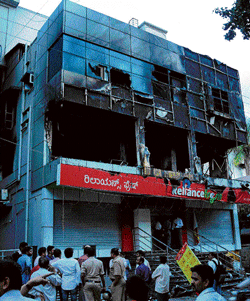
x=92, y=274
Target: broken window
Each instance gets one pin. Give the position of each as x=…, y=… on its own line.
x=8, y=107
x=168, y=84
x=119, y=78
x=212, y=152
x=144, y=100
x=92, y=134
x=221, y=103
x=100, y=71
x=168, y=147
x=121, y=83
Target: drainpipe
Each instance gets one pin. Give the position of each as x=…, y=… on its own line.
x=27, y=178
x=28, y=111
x=21, y=115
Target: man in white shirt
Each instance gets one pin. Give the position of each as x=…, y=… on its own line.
x=70, y=269
x=57, y=255
x=48, y=290
x=162, y=279
x=213, y=263
x=202, y=282
x=41, y=252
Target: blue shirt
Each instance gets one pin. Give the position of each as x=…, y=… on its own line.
x=50, y=258
x=26, y=265
x=13, y=295
x=143, y=272
x=210, y=294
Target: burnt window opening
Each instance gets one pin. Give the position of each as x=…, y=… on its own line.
x=8, y=107
x=144, y=100
x=92, y=134
x=119, y=78
x=168, y=147
x=169, y=85
x=161, y=74
x=212, y=152
x=221, y=103
x=161, y=90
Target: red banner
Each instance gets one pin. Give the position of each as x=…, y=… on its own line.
x=84, y=177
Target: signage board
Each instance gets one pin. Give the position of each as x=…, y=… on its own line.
x=90, y=178
x=186, y=259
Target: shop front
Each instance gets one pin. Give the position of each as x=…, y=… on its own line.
x=135, y=212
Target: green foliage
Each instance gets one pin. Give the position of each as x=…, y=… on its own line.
x=242, y=152
x=240, y=155
x=238, y=17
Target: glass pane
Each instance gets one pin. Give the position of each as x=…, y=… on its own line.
x=120, y=41
x=55, y=59
x=97, y=33
x=74, y=46
x=73, y=63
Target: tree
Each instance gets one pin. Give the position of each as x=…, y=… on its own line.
x=242, y=152
x=238, y=17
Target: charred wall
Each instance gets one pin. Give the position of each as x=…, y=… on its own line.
x=148, y=87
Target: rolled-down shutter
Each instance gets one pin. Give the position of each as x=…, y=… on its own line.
x=78, y=223
x=215, y=225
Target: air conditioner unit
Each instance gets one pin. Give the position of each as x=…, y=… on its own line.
x=31, y=78
x=4, y=194
x=28, y=78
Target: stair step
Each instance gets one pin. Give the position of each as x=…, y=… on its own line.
x=177, y=277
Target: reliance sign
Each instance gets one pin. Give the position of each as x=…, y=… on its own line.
x=89, y=178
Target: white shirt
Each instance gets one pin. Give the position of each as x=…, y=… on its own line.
x=36, y=260
x=162, y=278
x=111, y=263
x=71, y=275
x=54, y=260
x=125, y=264
x=213, y=264
x=48, y=290
x=209, y=294
x=14, y=295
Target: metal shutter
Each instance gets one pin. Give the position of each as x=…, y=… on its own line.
x=79, y=223
x=215, y=225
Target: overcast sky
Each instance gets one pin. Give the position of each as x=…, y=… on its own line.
x=189, y=23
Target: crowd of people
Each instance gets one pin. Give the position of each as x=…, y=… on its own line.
x=84, y=279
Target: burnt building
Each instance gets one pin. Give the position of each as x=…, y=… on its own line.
x=116, y=130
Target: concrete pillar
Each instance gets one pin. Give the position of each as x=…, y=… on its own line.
x=143, y=233
x=47, y=210
x=236, y=228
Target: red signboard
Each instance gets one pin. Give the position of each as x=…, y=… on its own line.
x=89, y=178
x=78, y=176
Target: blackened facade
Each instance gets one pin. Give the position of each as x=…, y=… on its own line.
x=110, y=118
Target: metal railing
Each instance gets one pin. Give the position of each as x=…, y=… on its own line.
x=203, y=245
x=149, y=243
x=6, y=253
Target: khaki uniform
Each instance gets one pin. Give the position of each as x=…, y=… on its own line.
x=92, y=268
x=118, y=269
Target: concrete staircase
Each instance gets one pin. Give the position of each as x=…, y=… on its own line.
x=177, y=277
